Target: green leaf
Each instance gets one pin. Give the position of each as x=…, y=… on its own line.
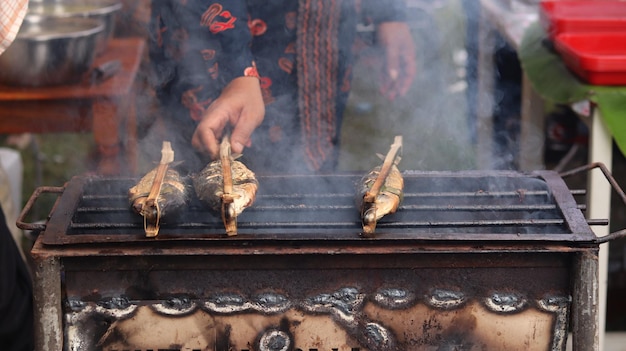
x=545, y=70
x=612, y=105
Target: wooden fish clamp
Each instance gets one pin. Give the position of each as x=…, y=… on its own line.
x=228, y=197
x=150, y=211
x=369, y=199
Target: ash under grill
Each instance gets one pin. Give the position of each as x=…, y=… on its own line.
x=436, y=205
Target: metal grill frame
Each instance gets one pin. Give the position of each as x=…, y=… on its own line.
x=55, y=256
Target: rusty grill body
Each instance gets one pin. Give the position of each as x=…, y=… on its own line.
x=471, y=261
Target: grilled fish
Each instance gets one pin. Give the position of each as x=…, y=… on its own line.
x=209, y=187
x=388, y=199
x=172, y=197
x=380, y=191
x=160, y=194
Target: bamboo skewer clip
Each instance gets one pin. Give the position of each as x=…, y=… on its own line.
x=150, y=211
x=369, y=199
x=228, y=197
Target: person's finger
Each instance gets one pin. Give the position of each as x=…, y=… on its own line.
x=240, y=137
x=409, y=72
x=206, y=137
x=392, y=71
x=205, y=141
x=400, y=65
x=392, y=57
x=384, y=86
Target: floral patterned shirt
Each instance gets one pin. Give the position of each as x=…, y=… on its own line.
x=197, y=47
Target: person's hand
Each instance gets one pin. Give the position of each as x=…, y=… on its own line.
x=240, y=105
x=400, y=60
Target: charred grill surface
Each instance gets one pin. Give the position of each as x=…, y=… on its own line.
x=436, y=205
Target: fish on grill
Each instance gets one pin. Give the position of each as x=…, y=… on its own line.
x=380, y=191
x=209, y=186
x=227, y=186
x=160, y=194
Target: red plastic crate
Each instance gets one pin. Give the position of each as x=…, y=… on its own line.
x=597, y=58
x=574, y=16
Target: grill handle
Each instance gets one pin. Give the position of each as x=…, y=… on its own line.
x=29, y=205
x=609, y=177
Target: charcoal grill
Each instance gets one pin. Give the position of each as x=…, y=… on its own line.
x=471, y=261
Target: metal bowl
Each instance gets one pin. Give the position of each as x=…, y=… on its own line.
x=103, y=10
x=50, y=51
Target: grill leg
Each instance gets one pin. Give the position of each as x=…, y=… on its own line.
x=47, y=301
x=585, y=304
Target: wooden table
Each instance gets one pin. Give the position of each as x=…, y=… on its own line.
x=105, y=108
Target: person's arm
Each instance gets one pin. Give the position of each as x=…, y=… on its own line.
x=240, y=104
x=400, y=58
x=394, y=36
x=203, y=48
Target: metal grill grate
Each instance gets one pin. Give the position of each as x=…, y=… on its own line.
x=436, y=205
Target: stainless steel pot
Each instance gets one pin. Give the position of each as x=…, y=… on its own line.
x=103, y=10
x=50, y=51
